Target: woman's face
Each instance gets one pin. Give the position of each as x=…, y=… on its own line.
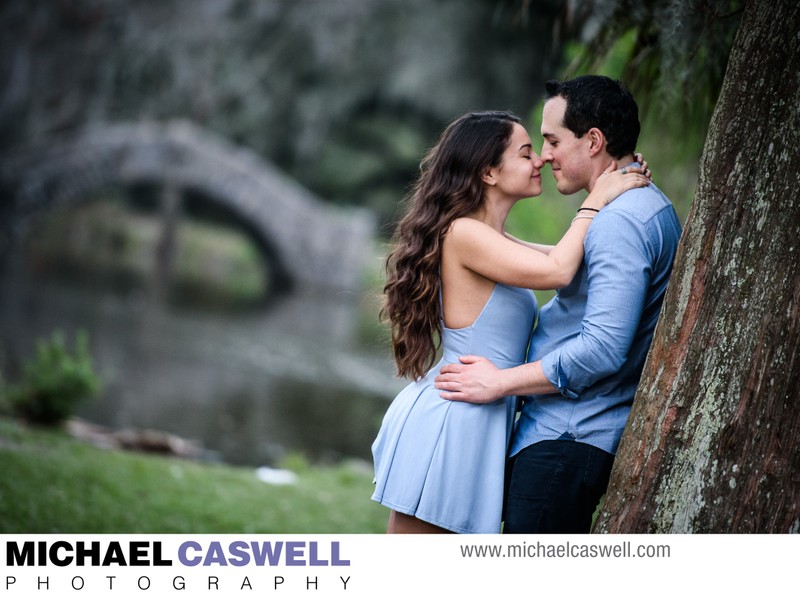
x=518, y=174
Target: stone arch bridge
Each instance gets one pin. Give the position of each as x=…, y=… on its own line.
x=308, y=242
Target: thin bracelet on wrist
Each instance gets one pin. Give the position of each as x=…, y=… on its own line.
x=582, y=217
x=588, y=209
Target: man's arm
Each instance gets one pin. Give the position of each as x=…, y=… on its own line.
x=478, y=380
x=619, y=257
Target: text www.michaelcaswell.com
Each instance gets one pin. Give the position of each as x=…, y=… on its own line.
x=566, y=550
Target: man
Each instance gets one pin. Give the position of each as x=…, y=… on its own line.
x=588, y=350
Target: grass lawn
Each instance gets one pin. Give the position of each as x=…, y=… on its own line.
x=52, y=483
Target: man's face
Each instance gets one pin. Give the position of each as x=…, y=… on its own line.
x=567, y=154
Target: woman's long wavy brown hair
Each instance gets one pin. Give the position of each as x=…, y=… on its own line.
x=449, y=186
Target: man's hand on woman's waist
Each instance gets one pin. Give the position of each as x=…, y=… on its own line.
x=478, y=380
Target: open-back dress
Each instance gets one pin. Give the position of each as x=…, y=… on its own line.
x=444, y=461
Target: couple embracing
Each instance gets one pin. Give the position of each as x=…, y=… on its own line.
x=516, y=427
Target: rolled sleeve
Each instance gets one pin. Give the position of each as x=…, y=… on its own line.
x=556, y=374
x=618, y=257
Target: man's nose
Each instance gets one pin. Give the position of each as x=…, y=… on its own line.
x=547, y=156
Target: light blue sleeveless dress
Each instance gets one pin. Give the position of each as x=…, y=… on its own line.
x=443, y=461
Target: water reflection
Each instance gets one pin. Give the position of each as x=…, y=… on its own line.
x=249, y=388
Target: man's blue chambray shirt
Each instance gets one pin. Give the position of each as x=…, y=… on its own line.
x=594, y=335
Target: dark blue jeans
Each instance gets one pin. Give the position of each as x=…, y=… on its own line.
x=555, y=486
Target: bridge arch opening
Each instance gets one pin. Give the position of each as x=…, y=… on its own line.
x=208, y=208
x=197, y=252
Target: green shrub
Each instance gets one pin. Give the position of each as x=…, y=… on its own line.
x=55, y=381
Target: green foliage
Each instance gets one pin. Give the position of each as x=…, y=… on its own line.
x=674, y=53
x=55, y=381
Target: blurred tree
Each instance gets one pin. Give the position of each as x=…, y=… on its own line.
x=676, y=61
x=345, y=96
x=713, y=441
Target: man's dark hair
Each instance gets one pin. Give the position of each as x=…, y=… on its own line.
x=595, y=101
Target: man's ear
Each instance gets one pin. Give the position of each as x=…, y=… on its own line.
x=597, y=141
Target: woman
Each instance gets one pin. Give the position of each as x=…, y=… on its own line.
x=454, y=275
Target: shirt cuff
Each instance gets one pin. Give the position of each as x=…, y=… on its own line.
x=554, y=372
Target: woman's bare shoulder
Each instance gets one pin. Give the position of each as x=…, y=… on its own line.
x=467, y=227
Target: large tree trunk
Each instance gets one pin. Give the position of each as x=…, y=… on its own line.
x=712, y=444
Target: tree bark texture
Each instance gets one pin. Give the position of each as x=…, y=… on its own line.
x=713, y=441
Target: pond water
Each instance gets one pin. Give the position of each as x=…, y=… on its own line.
x=249, y=388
